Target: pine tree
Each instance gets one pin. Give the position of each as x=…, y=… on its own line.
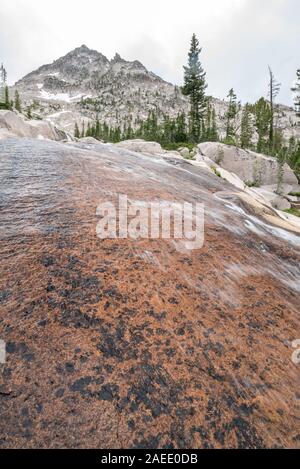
x=231, y=116
x=181, y=131
x=17, y=103
x=88, y=132
x=280, y=172
x=296, y=91
x=29, y=112
x=194, y=87
x=294, y=155
x=246, y=128
x=210, y=131
x=262, y=123
x=214, y=128
x=6, y=99
x=3, y=88
x=76, y=131
x=97, y=129
x=274, y=88
x=83, y=130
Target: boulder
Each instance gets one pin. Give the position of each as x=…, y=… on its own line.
x=184, y=152
x=141, y=146
x=249, y=166
x=293, y=199
x=280, y=203
x=89, y=140
x=44, y=129
x=172, y=154
x=271, y=198
x=13, y=124
x=285, y=189
x=231, y=177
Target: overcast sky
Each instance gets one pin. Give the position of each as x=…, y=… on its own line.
x=239, y=37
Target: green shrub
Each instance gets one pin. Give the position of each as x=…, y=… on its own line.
x=295, y=194
x=217, y=173
x=252, y=183
x=293, y=211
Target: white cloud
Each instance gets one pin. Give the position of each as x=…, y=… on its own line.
x=239, y=37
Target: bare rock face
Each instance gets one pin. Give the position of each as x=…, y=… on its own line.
x=130, y=343
x=90, y=140
x=139, y=145
x=250, y=167
x=281, y=203
x=14, y=125
x=184, y=152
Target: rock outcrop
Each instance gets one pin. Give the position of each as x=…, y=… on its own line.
x=13, y=124
x=90, y=140
x=138, y=343
x=252, y=168
x=142, y=146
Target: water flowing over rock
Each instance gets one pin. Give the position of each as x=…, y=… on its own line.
x=140, y=343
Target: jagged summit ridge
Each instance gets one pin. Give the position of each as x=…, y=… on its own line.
x=85, y=64
x=85, y=83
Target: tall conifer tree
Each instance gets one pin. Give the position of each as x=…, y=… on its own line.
x=274, y=88
x=17, y=102
x=231, y=116
x=296, y=91
x=194, y=87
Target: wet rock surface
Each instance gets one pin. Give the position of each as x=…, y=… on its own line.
x=138, y=344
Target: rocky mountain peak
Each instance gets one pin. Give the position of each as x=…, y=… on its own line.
x=84, y=47
x=84, y=84
x=118, y=59
x=82, y=52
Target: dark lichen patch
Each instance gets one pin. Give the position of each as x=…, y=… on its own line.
x=151, y=442
x=69, y=367
x=28, y=357
x=115, y=294
x=82, y=290
x=246, y=434
x=11, y=347
x=59, y=393
x=27, y=423
x=74, y=317
x=21, y=349
x=113, y=343
x=108, y=392
x=152, y=390
x=158, y=316
x=201, y=431
x=4, y=295
x=173, y=301
x=47, y=261
x=131, y=424
x=43, y=323
x=80, y=385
